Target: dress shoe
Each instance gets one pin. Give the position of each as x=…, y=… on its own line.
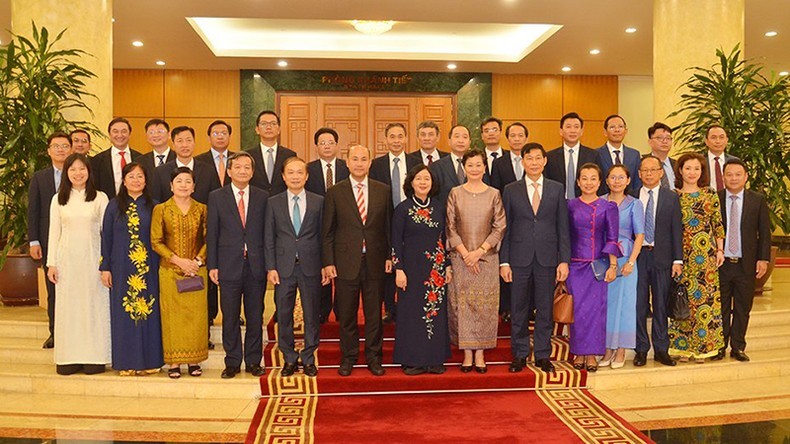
x=739, y=355
x=345, y=369
x=506, y=316
x=618, y=364
x=481, y=369
x=376, y=369
x=545, y=365
x=230, y=372
x=322, y=319
x=640, y=359
x=517, y=365
x=437, y=369
x=255, y=369
x=211, y=345
x=388, y=318
x=606, y=362
x=288, y=369
x=68, y=369
x=413, y=371
x=466, y=368
x=310, y=370
x=720, y=355
x=49, y=343
x=664, y=358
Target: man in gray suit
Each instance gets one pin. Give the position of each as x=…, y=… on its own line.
x=535, y=254
x=292, y=246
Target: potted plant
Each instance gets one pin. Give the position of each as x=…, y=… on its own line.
x=38, y=83
x=754, y=109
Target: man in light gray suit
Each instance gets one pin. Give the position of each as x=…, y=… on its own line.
x=292, y=247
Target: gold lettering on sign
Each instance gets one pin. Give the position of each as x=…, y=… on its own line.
x=365, y=82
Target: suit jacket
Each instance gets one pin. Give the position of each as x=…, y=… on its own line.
x=39, y=199
x=671, y=164
x=380, y=169
x=149, y=162
x=103, y=177
x=343, y=231
x=418, y=155
x=206, y=181
x=555, y=165
x=315, y=179
x=502, y=172
x=668, y=229
x=631, y=159
x=260, y=180
x=226, y=237
x=755, y=228
x=207, y=158
x=282, y=244
x=444, y=172
x=544, y=236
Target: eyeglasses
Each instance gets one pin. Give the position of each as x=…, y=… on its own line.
x=268, y=124
x=219, y=133
x=327, y=143
x=60, y=146
x=650, y=170
x=662, y=139
x=490, y=130
x=618, y=177
x=155, y=132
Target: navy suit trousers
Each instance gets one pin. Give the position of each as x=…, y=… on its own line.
x=655, y=282
x=537, y=281
x=251, y=290
x=285, y=298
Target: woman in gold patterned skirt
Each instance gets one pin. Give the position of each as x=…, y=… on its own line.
x=178, y=233
x=475, y=226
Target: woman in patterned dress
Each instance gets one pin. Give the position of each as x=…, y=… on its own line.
x=422, y=341
x=701, y=336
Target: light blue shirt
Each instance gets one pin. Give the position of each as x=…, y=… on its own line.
x=739, y=205
x=215, y=155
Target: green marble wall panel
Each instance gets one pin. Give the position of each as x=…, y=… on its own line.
x=256, y=95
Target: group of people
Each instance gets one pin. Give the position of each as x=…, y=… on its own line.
x=448, y=244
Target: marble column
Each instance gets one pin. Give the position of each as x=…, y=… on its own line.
x=686, y=33
x=88, y=25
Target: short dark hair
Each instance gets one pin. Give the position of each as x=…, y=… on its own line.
x=613, y=116
x=715, y=125
x=394, y=125
x=590, y=166
x=408, y=189
x=704, y=177
x=291, y=160
x=80, y=131
x=450, y=134
x=532, y=146
x=58, y=135
x=181, y=170
x=325, y=130
x=471, y=154
x=219, y=122
x=571, y=115
x=180, y=129
x=240, y=154
x=64, y=192
x=490, y=119
x=153, y=122
x=734, y=162
x=119, y=120
x=428, y=124
x=657, y=126
x=507, y=130
x=265, y=112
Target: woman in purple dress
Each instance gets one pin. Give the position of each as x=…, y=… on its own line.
x=594, y=226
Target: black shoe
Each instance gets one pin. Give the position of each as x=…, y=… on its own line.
x=505, y=316
x=664, y=358
x=640, y=359
x=49, y=343
x=345, y=369
x=68, y=369
x=376, y=369
x=322, y=319
x=517, y=365
x=437, y=369
x=230, y=372
x=388, y=318
x=288, y=369
x=545, y=365
x=720, y=355
x=739, y=355
x=482, y=369
x=310, y=370
x=255, y=369
x=413, y=371
x=466, y=368
x=211, y=345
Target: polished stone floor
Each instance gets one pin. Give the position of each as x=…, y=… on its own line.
x=747, y=433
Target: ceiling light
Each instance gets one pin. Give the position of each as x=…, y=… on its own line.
x=452, y=66
x=160, y=62
x=566, y=68
x=137, y=43
x=372, y=27
x=595, y=51
x=784, y=73
x=630, y=30
x=113, y=19
x=771, y=34
x=256, y=75
x=282, y=63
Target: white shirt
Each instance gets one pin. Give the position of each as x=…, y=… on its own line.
x=401, y=168
x=531, y=189
x=165, y=153
x=611, y=153
x=324, y=164
x=434, y=156
x=302, y=205
x=575, y=149
x=712, y=168
x=490, y=158
x=190, y=165
x=246, y=197
x=265, y=155
x=117, y=174
x=728, y=205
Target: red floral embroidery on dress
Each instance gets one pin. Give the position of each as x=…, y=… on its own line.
x=423, y=216
x=436, y=288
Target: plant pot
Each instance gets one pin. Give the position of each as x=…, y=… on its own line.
x=19, y=281
x=759, y=284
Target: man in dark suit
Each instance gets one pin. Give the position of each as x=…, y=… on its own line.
x=219, y=133
x=356, y=250
x=747, y=250
x=535, y=253
x=615, y=152
x=322, y=174
x=428, y=139
x=491, y=131
x=107, y=165
x=660, y=140
x=236, y=262
x=157, y=134
x=508, y=169
x=716, y=141
x=43, y=186
x=391, y=169
x=293, y=257
x=449, y=171
x=565, y=161
x=269, y=155
x=205, y=177
x=80, y=142
x=660, y=260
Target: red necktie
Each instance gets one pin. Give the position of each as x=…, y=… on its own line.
x=719, y=178
x=242, y=213
x=430, y=159
x=123, y=159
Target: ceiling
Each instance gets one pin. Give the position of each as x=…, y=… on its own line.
x=168, y=36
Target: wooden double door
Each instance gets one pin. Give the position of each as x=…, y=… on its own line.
x=360, y=119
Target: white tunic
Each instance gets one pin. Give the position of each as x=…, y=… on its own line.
x=82, y=303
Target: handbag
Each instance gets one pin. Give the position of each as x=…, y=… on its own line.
x=563, y=304
x=192, y=283
x=679, y=301
x=600, y=267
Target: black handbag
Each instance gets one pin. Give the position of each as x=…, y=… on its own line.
x=679, y=301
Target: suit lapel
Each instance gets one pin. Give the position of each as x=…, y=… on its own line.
x=231, y=198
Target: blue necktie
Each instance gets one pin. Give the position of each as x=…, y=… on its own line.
x=57, y=179
x=650, y=222
x=570, y=179
x=270, y=165
x=297, y=216
x=396, y=182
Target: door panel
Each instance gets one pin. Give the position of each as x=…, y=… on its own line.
x=440, y=110
x=385, y=110
x=297, y=129
x=347, y=116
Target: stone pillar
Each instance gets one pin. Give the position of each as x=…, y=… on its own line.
x=686, y=33
x=88, y=25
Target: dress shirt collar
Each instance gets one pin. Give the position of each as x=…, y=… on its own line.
x=575, y=148
x=265, y=149
x=497, y=150
x=236, y=190
x=190, y=165
x=332, y=162
x=646, y=190
x=302, y=196
x=739, y=194
x=354, y=183
x=116, y=150
x=401, y=156
x=215, y=154
x=712, y=158
x=612, y=148
x=530, y=182
x=455, y=159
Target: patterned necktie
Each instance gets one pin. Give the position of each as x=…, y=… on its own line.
x=430, y=159
x=535, y=198
x=123, y=159
x=330, y=178
x=650, y=222
x=363, y=210
x=570, y=178
x=270, y=165
x=733, y=227
x=459, y=173
x=297, y=216
x=221, y=163
x=617, y=160
x=719, y=178
x=396, y=188
x=242, y=212
x=161, y=158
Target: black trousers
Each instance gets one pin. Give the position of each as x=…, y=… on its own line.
x=504, y=296
x=285, y=295
x=251, y=291
x=390, y=290
x=212, y=294
x=528, y=282
x=655, y=282
x=326, y=300
x=737, y=296
x=347, y=293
